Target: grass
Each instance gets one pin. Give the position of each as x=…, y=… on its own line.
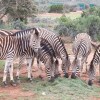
x=2, y=64
x=61, y=89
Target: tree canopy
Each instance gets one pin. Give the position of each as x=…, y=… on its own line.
x=17, y=8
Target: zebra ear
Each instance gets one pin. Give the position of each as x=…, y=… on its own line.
x=94, y=45
x=36, y=32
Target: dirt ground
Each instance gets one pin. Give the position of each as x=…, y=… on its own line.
x=15, y=92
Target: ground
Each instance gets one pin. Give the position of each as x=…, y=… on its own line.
x=40, y=89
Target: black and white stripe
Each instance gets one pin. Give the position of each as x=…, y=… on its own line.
x=7, y=53
x=47, y=56
x=22, y=45
x=81, y=49
x=57, y=46
x=93, y=64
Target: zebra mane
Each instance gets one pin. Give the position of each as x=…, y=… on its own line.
x=47, y=46
x=63, y=45
x=24, y=33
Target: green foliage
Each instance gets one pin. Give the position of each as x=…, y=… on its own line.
x=56, y=8
x=19, y=8
x=92, y=17
x=19, y=25
x=88, y=22
x=65, y=26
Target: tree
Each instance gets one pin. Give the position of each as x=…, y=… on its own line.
x=18, y=9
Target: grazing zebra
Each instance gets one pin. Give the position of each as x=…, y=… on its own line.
x=23, y=48
x=94, y=62
x=57, y=46
x=47, y=56
x=81, y=49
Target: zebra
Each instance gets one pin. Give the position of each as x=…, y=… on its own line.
x=22, y=49
x=81, y=49
x=47, y=56
x=94, y=62
x=7, y=52
x=58, y=47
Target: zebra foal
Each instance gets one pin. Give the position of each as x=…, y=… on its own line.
x=81, y=49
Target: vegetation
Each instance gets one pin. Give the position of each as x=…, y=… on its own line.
x=56, y=9
x=88, y=22
x=61, y=89
x=17, y=9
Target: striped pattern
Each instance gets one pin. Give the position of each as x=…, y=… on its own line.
x=47, y=56
x=81, y=49
x=93, y=64
x=7, y=52
x=22, y=46
x=57, y=46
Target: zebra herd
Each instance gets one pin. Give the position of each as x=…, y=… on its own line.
x=47, y=47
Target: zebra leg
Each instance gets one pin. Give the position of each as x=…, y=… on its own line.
x=84, y=59
x=65, y=69
x=11, y=75
x=18, y=69
x=29, y=68
x=49, y=71
x=56, y=72
x=74, y=68
x=91, y=74
x=8, y=65
x=65, y=66
x=86, y=64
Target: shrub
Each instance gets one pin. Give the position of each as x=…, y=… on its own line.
x=56, y=9
x=18, y=25
x=66, y=26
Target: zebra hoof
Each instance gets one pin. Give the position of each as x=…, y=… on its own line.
x=52, y=79
x=13, y=83
x=56, y=75
x=90, y=82
x=66, y=75
x=73, y=76
x=5, y=84
x=29, y=79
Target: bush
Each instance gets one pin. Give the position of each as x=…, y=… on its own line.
x=56, y=9
x=66, y=26
x=19, y=25
x=89, y=24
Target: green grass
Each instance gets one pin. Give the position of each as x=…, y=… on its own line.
x=61, y=89
x=2, y=64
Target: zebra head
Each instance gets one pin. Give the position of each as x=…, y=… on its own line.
x=76, y=63
x=35, y=40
